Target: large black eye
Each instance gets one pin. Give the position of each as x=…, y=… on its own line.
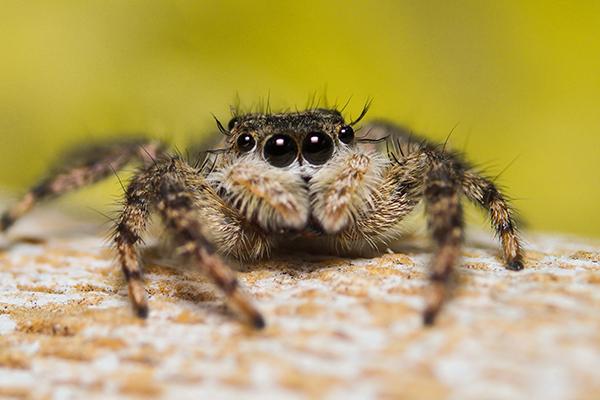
x=346, y=134
x=280, y=150
x=245, y=142
x=317, y=148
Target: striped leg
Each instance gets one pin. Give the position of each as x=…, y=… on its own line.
x=179, y=211
x=130, y=226
x=484, y=193
x=177, y=192
x=445, y=221
x=477, y=188
x=79, y=168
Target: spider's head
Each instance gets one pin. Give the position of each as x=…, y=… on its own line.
x=276, y=167
x=306, y=139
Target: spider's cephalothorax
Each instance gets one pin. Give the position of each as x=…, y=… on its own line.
x=295, y=173
x=280, y=178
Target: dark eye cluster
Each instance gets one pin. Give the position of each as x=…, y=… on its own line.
x=281, y=150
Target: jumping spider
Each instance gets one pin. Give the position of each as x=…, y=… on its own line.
x=282, y=178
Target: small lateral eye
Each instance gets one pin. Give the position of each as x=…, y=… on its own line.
x=232, y=123
x=245, y=142
x=346, y=134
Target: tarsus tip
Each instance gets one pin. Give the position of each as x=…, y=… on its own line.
x=142, y=312
x=429, y=317
x=258, y=322
x=515, y=265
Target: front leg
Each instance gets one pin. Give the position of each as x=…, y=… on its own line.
x=186, y=204
x=405, y=182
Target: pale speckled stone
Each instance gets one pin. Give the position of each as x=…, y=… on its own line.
x=338, y=328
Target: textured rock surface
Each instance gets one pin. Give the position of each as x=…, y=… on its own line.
x=338, y=328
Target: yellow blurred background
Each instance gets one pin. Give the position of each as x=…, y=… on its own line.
x=521, y=80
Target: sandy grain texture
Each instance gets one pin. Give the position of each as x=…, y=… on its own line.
x=337, y=328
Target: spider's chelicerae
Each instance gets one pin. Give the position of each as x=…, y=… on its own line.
x=280, y=179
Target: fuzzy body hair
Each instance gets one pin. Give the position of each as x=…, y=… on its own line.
x=281, y=180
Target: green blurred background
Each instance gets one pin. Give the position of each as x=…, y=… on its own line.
x=521, y=80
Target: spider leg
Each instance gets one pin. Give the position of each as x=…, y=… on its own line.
x=445, y=222
x=81, y=167
x=484, y=193
x=177, y=208
x=419, y=175
x=178, y=193
x=477, y=188
x=131, y=224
